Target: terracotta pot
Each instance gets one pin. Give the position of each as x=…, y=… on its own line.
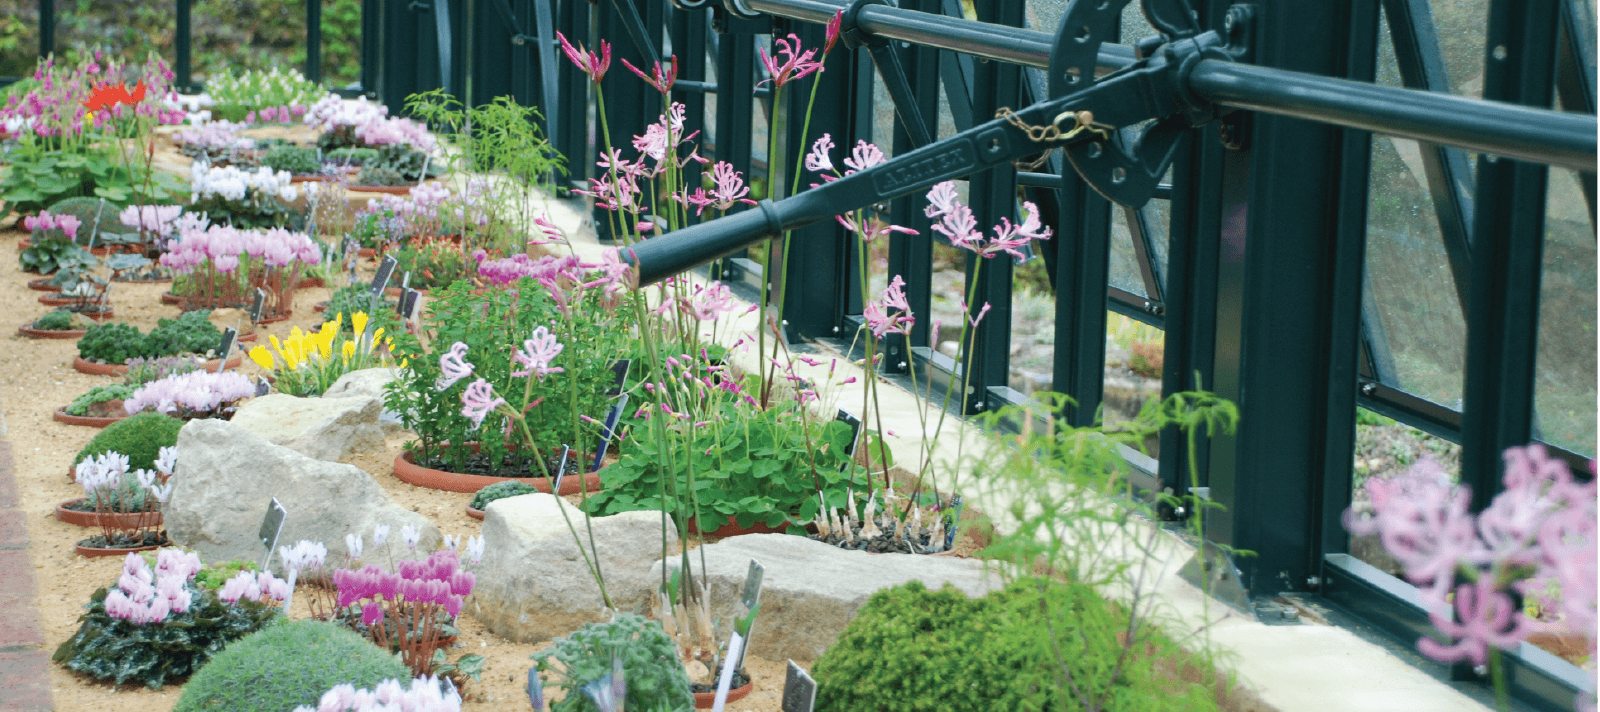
x=707, y=700
x=51, y=333
x=395, y=291
x=320, y=307
x=311, y=283
x=96, y=519
x=275, y=319
x=61, y=416
x=43, y=284
x=55, y=300
x=118, y=369
x=476, y=513
x=24, y=244
x=732, y=528
x=162, y=280
x=390, y=189
x=310, y=179
x=170, y=298
x=90, y=552
x=366, y=252
x=412, y=473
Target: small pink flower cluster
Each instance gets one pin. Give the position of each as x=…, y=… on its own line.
x=220, y=247
x=370, y=122
x=103, y=476
x=145, y=597
x=883, y=321
x=56, y=106
x=692, y=382
x=253, y=586
x=425, y=695
x=196, y=393
x=215, y=136
x=44, y=222
x=437, y=580
x=276, y=114
x=617, y=188
x=152, y=219
x=1539, y=531
x=956, y=222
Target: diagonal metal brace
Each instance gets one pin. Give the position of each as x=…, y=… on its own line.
x=888, y=61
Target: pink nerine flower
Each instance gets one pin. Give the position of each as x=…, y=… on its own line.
x=593, y=65
x=537, y=353
x=863, y=156
x=453, y=365
x=661, y=80
x=879, y=317
x=818, y=160
x=478, y=400
x=797, y=65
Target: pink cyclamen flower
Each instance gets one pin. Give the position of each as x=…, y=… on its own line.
x=798, y=64
x=592, y=64
x=478, y=400
x=454, y=366
x=69, y=225
x=661, y=80
x=537, y=353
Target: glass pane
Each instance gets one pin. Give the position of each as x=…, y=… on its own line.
x=1124, y=267
x=1408, y=274
x=1133, y=370
x=1158, y=216
x=1033, y=328
x=947, y=288
x=1564, y=385
x=1462, y=26
x=1386, y=450
x=883, y=119
x=231, y=36
x=341, y=43
x=19, y=39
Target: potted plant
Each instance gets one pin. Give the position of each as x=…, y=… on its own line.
x=496, y=491
x=107, y=349
x=626, y=663
x=58, y=323
x=219, y=266
x=125, y=504
x=99, y=407
x=308, y=364
x=192, y=395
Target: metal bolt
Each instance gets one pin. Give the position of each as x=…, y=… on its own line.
x=902, y=365
x=1290, y=613
x=835, y=329
x=1313, y=581
x=1481, y=670
x=1227, y=22
x=1367, y=389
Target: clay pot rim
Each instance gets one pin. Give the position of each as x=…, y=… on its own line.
x=42, y=284
x=120, y=369
x=406, y=470
x=732, y=528
x=31, y=332
x=705, y=700
x=476, y=513
x=62, y=416
x=90, y=552
x=91, y=519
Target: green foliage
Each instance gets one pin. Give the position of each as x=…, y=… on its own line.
x=915, y=650
x=43, y=178
x=100, y=394
x=656, y=680
x=55, y=320
x=239, y=94
x=214, y=575
x=98, y=215
x=287, y=665
x=756, y=465
x=114, y=342
x=352, y=155
x=357, y=298
x=296, y=160
x=380, y=175
x=395, y=164
x=128, y=497
x=155, y=654
x=433, y=262
x=192, y=332
x=140, y=437
x=493, y=325
x=500, y=490
x=47, y=256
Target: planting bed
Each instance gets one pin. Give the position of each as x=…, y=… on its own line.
x=39, y=377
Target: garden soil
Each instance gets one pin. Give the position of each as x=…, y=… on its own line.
x=37, y=378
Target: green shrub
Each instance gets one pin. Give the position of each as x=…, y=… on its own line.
x=213, y=576
x=140, y=437
x=58, y=320
x=91, y=211
x=107, y=648
x=500, y=490
x=100, y=394
x=114, y=343
x=380, y=175
x=352, y=155
x=190, y=333
x=293, y=159
x=287, y=665
x=656, y=680
x=911, y=649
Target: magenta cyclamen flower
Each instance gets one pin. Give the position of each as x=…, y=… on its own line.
x=537, y=353
x=453, y=365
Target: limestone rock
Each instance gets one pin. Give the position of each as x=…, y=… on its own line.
x=533, y=583
x=324, y=428
x=810, y=590
x=365, y=382
x=227, y=475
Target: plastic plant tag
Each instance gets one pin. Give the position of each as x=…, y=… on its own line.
x=620, y=368
x=750, y=602
x=385, y=271
x=229, y=336
x=405, y=281
x=272, y=528
x=855, y=430
x=407, y=307
x=953, y=521
x=561, y=470
x=799, y=690
x=735, y=652
x=257, y=304
x=609, y=430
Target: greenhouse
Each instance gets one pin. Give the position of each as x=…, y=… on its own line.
x=799, y=355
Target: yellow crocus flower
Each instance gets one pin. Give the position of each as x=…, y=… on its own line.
x=262, y=357
x=349, y=350
x=358, y=323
